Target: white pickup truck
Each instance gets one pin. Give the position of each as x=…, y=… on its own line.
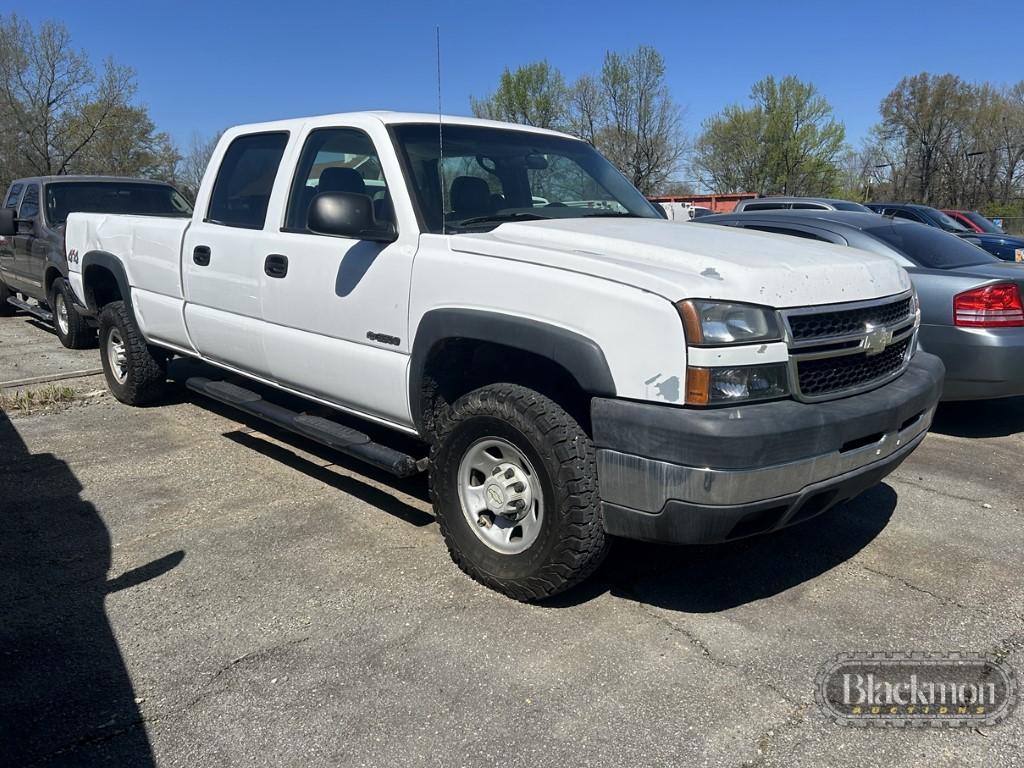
x=576, y=366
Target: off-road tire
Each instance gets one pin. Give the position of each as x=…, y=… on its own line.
x=146, y=366
x=79, y=335
x=6, y=310
x=572, y=542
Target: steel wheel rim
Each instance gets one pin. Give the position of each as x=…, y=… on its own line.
x=117, y=356
x=61, y=311
x=485, y=493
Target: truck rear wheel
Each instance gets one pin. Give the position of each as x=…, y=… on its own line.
x=136, y=373
x=72, y=329
x=514, y=486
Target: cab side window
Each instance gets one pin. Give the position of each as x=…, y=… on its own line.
x=13, y=195
x=30, y=203
x=245, y=179
x=337, y=160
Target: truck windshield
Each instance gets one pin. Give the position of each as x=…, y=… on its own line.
x=66, y=197
x=930, y=247
x=492, y=175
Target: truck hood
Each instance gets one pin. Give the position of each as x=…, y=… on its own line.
x=681, y=261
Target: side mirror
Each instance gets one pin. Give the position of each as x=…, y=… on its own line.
x=7, y=223
x=348, y=214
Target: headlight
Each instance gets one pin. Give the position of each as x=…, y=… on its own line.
x=711, y=323
x=718, y=386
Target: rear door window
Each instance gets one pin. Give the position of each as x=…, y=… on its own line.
x=902, y=214
x=765, y=206
x=245, y=179
x=13, y=195
x=806, y=234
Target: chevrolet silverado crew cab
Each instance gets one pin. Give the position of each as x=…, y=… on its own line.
x=33, y=264
x=576, y=366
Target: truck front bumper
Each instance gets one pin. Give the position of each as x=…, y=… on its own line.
x=701, y=476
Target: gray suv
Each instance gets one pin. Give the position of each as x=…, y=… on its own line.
x=798, y=203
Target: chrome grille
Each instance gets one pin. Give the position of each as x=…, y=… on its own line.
x=848, y=348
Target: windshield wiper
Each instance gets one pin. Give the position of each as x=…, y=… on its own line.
x=499, y=217
x=610, y=214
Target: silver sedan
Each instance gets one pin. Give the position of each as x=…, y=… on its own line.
x=971, y=302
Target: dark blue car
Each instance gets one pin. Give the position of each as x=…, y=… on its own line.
x=1005, y=247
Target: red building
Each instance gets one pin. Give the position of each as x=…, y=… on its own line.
x=716, y=203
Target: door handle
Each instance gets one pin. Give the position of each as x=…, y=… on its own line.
x=201, y=255
x=276, y=265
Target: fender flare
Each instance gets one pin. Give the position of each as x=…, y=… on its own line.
x=580, y=356
x=111, y=263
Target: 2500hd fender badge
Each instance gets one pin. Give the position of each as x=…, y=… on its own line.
x=916, y=689
x=383, y=338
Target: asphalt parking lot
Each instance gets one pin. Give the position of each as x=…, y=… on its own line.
x=184, y=588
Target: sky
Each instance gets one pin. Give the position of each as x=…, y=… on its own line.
x=204, y=66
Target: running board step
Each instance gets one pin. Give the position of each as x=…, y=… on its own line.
x=324, y=431
x=33, y=309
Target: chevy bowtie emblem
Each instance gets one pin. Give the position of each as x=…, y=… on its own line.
x=877, y=339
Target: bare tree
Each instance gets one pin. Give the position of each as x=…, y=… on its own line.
x=633, y=119
x=51, y=94
x=194, y=161
x=922, y=113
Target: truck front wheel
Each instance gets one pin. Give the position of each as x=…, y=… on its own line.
x=136, y=372
x=72, y=329
x=514, y=486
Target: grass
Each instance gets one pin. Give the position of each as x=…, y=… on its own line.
x=28, y=400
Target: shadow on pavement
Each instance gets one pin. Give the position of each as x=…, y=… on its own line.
x=182, y=368
x=65, y=695
x=382, y=500
x=980, y=418
x=723, y=576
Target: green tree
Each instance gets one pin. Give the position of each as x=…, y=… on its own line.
x=126, y=143
x=787, y=141
x=533, y=94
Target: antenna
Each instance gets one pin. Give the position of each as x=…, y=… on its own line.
x=440, y=128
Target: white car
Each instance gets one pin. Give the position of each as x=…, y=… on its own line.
x=572, y=372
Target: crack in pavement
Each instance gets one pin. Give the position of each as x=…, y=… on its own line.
x=251, y=656
x=941, y=598
x=932, y=489
x=745, y=672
